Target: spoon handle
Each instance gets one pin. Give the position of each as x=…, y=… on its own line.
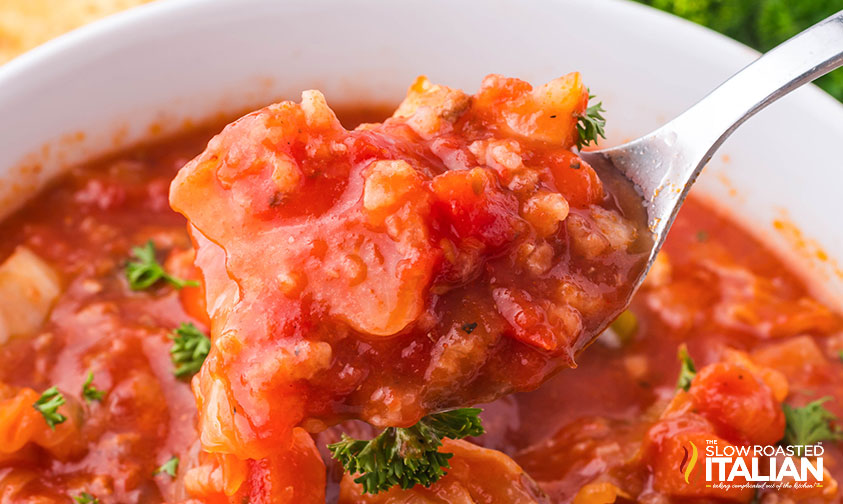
x=684, y=145
x=797, y=61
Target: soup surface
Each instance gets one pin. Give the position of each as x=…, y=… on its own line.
x=615, y=429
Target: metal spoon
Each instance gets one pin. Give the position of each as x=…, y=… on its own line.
x=664, y=164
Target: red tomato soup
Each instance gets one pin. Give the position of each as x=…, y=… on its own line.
x=338, y=277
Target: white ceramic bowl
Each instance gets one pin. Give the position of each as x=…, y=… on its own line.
x=145, y=71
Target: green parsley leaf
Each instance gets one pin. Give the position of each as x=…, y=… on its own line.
x=146, y=270
x=840, y=355
x=48, y=405
x=86, y=498
x=687, y=370
x=89, y=392
x=591, y=125
x=170, y=467
x=406, y=457
x=810, y=424
x=190, y=347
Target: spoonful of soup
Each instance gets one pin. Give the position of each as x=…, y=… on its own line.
x=457, y=252
x=461, y=250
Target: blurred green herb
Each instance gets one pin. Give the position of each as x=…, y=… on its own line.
x=810, y=424
x=687, y=369
x=170, y=467
x=89, y=391
x=86, y=498
x=625, y=326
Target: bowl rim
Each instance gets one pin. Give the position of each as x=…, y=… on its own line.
x=142, y=16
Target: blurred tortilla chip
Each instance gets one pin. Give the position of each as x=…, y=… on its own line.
x=25, y=24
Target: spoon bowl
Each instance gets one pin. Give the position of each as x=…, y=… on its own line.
x=662, y=166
